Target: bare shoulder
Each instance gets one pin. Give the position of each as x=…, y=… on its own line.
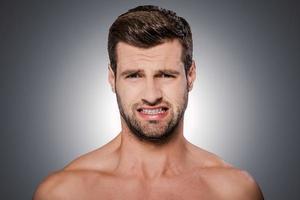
x=55, y=186
x=77, y=176
x=233, y=183
x=68, y=184
x=225, y=181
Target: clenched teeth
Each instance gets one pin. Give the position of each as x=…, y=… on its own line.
x=152, y=111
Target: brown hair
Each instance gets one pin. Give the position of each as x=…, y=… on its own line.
x=147, y=26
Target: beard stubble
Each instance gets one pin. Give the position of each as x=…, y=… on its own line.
x=153, y=131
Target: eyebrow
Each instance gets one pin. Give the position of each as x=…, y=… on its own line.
x=167, y=71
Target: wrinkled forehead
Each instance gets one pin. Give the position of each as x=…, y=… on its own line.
x=167, y=54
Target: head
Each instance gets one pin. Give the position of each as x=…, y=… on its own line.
x=151, y=70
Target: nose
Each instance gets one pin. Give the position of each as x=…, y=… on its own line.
x=152, y=93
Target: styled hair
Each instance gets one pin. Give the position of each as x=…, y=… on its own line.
x=147, y=26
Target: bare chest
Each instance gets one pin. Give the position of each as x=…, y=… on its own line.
x=136, y=190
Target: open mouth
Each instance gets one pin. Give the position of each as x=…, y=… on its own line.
x=152, y=111
x=155, y=113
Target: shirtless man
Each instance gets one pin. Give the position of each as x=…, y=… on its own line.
x=151, y=71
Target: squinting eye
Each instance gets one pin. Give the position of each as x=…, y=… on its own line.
x=135, y=75
x=167, y=76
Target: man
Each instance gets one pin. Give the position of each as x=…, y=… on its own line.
x=151, y=71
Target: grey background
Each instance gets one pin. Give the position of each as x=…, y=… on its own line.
x=56, y=103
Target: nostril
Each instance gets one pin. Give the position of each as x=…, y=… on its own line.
x=152, y=103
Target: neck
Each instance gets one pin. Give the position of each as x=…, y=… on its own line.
x=150, y=160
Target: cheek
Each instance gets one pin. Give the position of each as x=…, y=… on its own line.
x=128, y=94
x=176, y=93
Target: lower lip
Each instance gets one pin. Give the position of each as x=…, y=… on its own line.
x=158, y=116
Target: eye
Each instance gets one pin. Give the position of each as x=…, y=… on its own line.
x=165, y=75
x=134, y=75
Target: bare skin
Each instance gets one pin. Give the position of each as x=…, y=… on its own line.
x=129, y=168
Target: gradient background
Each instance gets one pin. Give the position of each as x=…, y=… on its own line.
x=56, y=103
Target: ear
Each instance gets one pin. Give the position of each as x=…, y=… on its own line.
x=111, y=78
x=191, y=76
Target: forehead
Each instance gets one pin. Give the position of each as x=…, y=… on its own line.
x=166, y=54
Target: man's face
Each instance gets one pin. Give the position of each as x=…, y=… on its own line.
x=151, y=88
